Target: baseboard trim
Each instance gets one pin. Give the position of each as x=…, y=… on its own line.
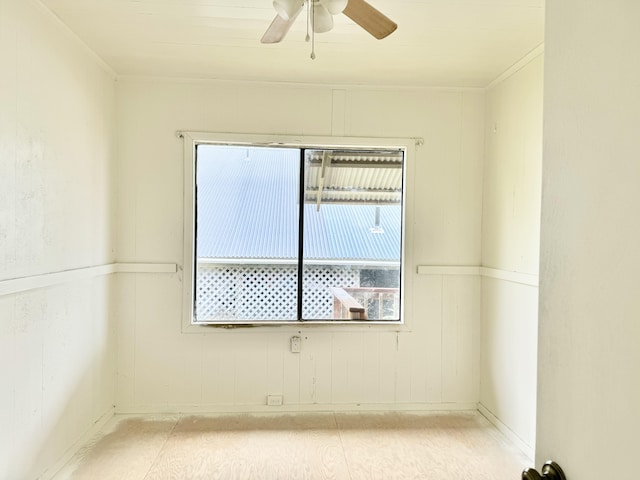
x=297, y=408
x=527, y=449
x=50, y=472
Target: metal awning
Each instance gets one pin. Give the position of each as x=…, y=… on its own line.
x=353, y=177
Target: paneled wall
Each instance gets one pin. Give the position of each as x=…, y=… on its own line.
x=510, y=251
x=433, y=362
x=57, y=213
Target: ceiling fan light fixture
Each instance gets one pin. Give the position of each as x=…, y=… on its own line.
x=335, y=7
x=322, y=20
x=287, y=8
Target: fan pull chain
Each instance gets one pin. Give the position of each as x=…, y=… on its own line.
x=307, y=38
x=313, y=32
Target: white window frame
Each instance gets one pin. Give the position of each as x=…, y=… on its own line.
x=193, y=139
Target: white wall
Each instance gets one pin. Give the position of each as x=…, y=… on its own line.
x=510, y=247
x=435, y=363
x=57, y=353
x=589, y=355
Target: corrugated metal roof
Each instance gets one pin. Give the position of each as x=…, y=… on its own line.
x=247, y=207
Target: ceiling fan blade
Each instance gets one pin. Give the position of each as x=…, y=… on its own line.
x=279, y=28
x=372, y=20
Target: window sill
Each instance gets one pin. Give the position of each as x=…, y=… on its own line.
x=296, y=327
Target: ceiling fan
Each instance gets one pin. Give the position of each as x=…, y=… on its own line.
x=320, y=17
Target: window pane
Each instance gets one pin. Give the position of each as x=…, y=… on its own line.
x=352, y=235
x=246, y=234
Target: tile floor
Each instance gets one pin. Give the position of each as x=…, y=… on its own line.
x=344, y=446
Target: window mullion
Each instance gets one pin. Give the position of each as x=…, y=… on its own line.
x=301, y=197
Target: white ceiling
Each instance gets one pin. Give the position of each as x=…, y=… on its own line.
x=460, y=43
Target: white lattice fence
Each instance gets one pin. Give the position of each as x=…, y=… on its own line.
x=267, y=292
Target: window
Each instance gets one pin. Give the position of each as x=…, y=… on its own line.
x=284, y=234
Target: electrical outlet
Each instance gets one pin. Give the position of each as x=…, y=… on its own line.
x=296, y=344
x=274, y=400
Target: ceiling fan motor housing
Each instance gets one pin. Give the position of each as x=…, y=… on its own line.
x=321, y=17
x=287, y=8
